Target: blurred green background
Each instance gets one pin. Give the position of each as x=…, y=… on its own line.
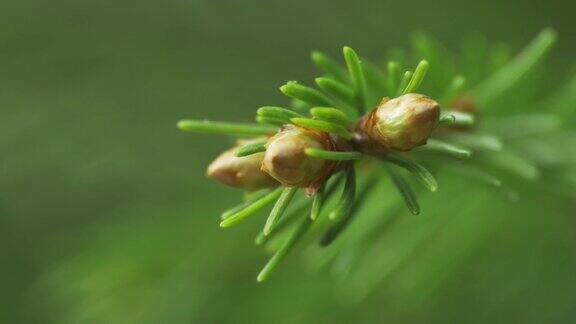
x=105, y=213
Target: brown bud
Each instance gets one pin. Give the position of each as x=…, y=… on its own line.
x=399, y=124
x=465, y=103
x=240, y=172
x=286, y=161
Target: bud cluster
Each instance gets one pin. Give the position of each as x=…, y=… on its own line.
x=395, y=125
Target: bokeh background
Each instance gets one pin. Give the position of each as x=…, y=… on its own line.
x=105, y=213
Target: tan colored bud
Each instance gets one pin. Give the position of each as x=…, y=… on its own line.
x=465, y=103
x=399, y=124
x=240, y=172
x=286, y=161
